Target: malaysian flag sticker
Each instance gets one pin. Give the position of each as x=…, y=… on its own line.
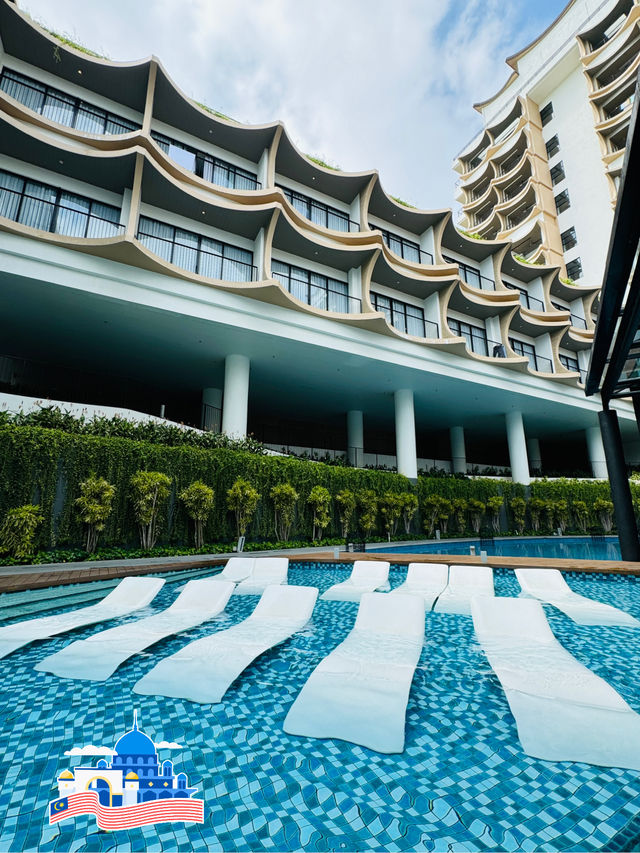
x=133, y=789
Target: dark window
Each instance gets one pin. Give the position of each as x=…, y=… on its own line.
x=320, y=213
x=557, y=173
x=206, y=166
x=562, y=201
x=530, y=302
x=475, y=336
x=315, y=289
x=546, y=113
x=52, y=209
x=553, y=146
x=574, y=269
x=569, y=239
x=61, y=108
x=569, y=363
x=406, y=249
x=472, y=275
x=195, y=253
x=404, y=317
x=536, y=362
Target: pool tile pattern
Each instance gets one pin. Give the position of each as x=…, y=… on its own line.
x=463, y=782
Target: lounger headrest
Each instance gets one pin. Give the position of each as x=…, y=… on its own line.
x=202, y=593
x=286, y=602
x=427, y=573
x=369, y=569
x=134, y=590
x=518, y=618
x=391, y=614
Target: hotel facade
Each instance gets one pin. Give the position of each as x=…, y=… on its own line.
x=544, y=171
x=155, y=256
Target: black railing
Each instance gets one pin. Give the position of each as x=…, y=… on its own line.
x=484, y=346
x=508, y=164
x=317, y=296
x=477, y=194
x=404, y=249
x=514, y=189
x=198, y=260
x=55, y=217
x=527, y=301
x=62, y=108
x=472, y=276
x=483, y=216
x=540, y=363
x=519, y=216
x=578, y=322
x=320, y=213
x=608, y=77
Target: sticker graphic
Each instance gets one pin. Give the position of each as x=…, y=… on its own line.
x=133, y=790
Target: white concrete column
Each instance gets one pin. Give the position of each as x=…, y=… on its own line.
x=406, y=456
x=236, y=395
x=427, y=244
x=458, y=451
x=263, y=169
x=517, y=448
x=355, y=212
x=355, y=438
x=535, y=457
x=258, y=254
x=596, y=453
x=355, y=283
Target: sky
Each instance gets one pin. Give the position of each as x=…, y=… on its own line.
x=362, y=84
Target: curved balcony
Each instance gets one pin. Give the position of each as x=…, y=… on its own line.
x=612, y=125
x=624, y=74
x=453, y=240
x=504, y=127
x=509, y=143
x=486, y=195
x=509, y=168
x=606, y=28
x=576, y=340
x=515, y=194
x=409, y=282
x=477, y=174
x=474, y=154
x=475, y=303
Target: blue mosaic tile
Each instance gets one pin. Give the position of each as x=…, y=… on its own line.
x=463, y=782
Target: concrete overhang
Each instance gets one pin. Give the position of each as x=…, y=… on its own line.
x=289, y=238
x=122, y=82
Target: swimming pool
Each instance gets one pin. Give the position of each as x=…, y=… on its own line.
x=462, y=783
x=563, y=547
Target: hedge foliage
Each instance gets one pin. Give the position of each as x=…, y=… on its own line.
x=45, y=467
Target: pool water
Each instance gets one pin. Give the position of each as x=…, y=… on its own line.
x=462, y=783
x=563, y=547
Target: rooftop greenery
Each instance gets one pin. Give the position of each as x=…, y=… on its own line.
x=323, y=163
x=403, y=202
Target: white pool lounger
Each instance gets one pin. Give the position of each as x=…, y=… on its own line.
x=131, y=594
x=465, y=582
x=426, y=579
x=98, y=657
x=203, y=670
x=549, y=586
x=359, y=692
x=267, y=571
x=563, y=711
x=366, y=576
x=238, y=569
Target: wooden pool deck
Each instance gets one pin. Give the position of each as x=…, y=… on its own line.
x=20, y=578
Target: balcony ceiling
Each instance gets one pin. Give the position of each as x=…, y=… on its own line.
x=110, y=171
x=289, y=375
x=165, y=195
x=124, y=83
x=287, y=238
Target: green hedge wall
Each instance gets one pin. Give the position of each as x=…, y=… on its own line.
x=46, y=467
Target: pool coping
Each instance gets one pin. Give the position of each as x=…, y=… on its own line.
x=21, y=578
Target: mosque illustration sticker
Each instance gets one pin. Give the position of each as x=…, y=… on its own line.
x=134, y=790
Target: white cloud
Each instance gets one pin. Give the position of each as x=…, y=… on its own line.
x=168, y=745
x=90, y=750
x=363, y=84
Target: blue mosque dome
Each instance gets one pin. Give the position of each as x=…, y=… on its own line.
x=135, y=742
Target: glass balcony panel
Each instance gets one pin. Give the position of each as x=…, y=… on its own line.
x=90, y=121
x=337, y=221
x=59, y=108
x=339, y=301
x=31, y=95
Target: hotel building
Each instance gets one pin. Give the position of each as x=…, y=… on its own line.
x=156, y=256
x=544, y=171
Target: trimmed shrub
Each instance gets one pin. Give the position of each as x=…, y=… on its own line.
x=94, y=507
x=198, y=499
x=284, y=498
x=409, y=507
x=390, y=510
x=150, y=490
x=347, y=503
x=18, y=530
x=320, y=501
x=368, y=506
x=243, y=500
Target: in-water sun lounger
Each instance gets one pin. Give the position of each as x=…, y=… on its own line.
x=267, y=571
x=426, y=579
x=548, y=585
x=563, y=711
x=359, y=693
x=366, y=576
x=464, y=583
x=203, y=670
x=98, y=657
x=238, y=569
x=130, y=594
